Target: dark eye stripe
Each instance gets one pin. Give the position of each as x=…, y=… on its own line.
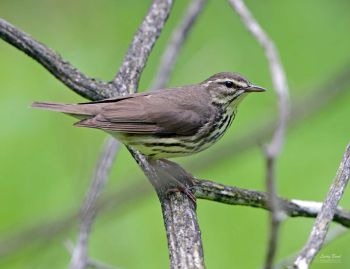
x=229, y=84
x=224, y=82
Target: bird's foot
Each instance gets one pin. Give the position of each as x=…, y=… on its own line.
x=185, y=190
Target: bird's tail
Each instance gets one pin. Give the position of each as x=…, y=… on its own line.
x=76, y=110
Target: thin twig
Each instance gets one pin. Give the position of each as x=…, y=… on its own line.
x=331, y=236
x=176, y=42
x=276, y=69
x=274, y=148
x=276, y=212
x=89, y=262
x=127, y=79
x=52, y=61
x=39, y=234
x=325, y=216
x=80, y=256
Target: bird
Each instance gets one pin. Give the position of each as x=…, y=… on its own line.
x=166, y=123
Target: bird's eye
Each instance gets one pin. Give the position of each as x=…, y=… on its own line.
x=229, y=84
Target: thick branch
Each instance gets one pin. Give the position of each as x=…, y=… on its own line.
x=209, y=190
x=179, y=212
x=185, y=250
x=61, y=69
x=326, y=214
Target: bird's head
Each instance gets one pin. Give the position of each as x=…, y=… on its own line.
x=228, y=89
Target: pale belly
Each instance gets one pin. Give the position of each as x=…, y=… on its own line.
x=166, y=147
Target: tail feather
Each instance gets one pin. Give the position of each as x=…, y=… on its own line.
x=71, y=109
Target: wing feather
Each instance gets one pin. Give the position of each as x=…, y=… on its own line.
x=153, y=113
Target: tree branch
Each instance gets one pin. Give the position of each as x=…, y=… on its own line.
x=88, y=262
x=332, y=235
x=61, y=69
x=80, y=257
x=209, y=190
x=276, y=69
x=325, y=216
x=127, y=79
x=273, y=149
x=179, y=212
x=176, y=42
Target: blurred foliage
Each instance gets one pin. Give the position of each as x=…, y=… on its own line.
x=45, y=164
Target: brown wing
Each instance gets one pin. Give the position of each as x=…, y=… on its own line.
x=154, y=113
x=116, y=99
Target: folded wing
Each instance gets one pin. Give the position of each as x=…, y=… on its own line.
x=149, y=114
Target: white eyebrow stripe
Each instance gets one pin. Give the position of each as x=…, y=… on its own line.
x=239, y=83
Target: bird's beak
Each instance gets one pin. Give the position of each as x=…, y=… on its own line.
x=254, y=88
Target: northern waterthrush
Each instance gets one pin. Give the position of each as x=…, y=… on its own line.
x=166, y=123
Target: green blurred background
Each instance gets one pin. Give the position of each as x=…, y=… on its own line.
x=46, y=165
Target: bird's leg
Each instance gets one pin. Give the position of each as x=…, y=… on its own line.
x=173, y=177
